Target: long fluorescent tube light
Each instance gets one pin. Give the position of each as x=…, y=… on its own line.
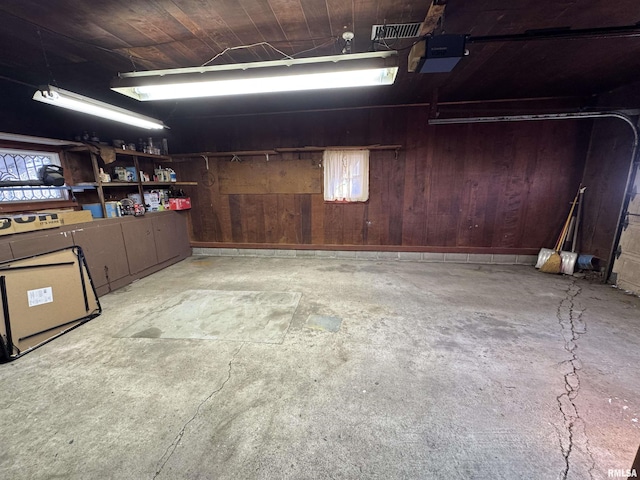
x=79, y=103
x=330, y=72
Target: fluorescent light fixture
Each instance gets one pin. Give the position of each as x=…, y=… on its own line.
x=72, y=101
x=330, y=72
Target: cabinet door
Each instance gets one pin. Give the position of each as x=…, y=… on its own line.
x=182, y=227
x=5, y=250
x=170, y=232
x=104, y=250
x=139, y=243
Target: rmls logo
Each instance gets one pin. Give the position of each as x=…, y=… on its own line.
x=5, y=222
x=620, y=473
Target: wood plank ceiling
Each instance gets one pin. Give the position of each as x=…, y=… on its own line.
x=83, y=44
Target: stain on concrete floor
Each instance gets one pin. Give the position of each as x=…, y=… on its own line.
x=324, y=323
x=261, y=317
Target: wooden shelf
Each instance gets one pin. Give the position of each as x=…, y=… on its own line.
x=149, y=184
x=276, y=151
x=118, y=151
x=134, y=153
x=168, y=184
x=119, y=184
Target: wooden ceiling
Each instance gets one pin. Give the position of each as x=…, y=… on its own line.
x=82, y=45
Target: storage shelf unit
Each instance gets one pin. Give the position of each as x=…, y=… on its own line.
x=140, y=161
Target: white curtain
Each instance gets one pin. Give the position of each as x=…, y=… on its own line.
x=346, y=175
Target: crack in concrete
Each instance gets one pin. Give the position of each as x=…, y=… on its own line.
x=572, y=326
x=176, y=441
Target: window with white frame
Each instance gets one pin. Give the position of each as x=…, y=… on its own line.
x=24, y=165
x=346, y=175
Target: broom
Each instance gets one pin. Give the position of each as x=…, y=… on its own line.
x=554, y=262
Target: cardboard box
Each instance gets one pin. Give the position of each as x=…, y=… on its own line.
x=151, y=200
x=70, y=217
x=45, y=300
x=180, y=203
x=28, y=222
x=112, y=208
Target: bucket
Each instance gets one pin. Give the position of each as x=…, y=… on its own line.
x=588, y=262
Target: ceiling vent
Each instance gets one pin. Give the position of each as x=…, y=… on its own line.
x=392, y=31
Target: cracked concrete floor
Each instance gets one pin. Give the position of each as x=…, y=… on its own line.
x=435, y=371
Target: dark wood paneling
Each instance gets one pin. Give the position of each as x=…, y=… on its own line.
x=384, y=218
x=235, y=208
x=333, y=224
x=500, y=186
x=303, y=209
x=317, y=219
x=253, y=220
x=255, y=175
x=271, y=223
x=287, y=219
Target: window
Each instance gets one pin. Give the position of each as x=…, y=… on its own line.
x=17, y=165
x=346, y=175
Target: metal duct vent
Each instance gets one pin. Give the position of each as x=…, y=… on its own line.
x=391, y=31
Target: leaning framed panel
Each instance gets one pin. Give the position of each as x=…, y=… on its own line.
x=42, y=297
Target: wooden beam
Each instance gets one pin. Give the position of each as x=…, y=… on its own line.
x=434, y=14
x=36, y=205
x=340, y=147
x=255, y=153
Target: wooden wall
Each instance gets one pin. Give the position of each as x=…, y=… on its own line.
x=474, y=188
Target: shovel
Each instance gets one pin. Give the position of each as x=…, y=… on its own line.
x=568, y=260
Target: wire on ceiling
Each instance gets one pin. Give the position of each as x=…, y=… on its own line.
x=19, y=82
x=239, y=47
x=52, y=80
x=328, y=42
x=259, y=44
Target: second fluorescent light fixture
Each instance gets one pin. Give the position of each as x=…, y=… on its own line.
x=330, y=72
x=79, y=103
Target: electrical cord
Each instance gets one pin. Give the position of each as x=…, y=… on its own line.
x=239, y=47
x=328, y=42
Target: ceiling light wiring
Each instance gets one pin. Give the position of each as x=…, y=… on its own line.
x=239, y=47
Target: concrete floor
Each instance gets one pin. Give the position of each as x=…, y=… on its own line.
x=389, y=370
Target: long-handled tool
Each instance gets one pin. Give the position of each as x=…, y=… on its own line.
x=553, y=264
